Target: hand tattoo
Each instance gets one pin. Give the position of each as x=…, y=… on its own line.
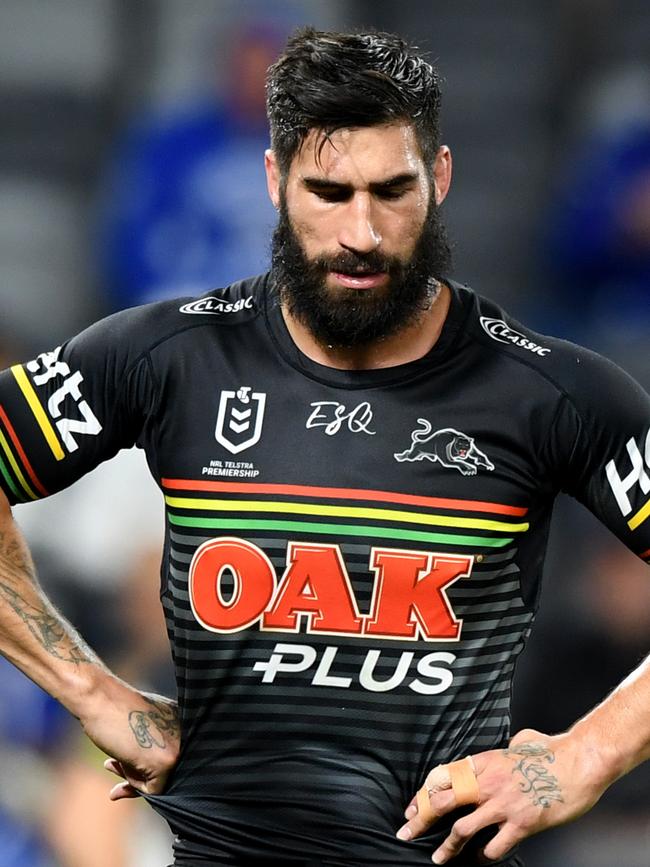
x=150, y=727
x=542, y=786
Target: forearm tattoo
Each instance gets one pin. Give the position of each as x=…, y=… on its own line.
x=534, y=777
x=154, y=728
x=17, y=583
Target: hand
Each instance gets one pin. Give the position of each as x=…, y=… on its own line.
x=537, y=782
x=141, y=733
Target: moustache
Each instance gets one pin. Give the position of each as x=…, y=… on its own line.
x=356, y=264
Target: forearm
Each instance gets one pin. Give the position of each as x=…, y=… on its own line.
x=617, y=732
x=33, y=635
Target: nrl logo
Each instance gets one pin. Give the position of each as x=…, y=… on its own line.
x=239, y=419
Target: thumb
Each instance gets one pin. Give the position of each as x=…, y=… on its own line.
x=123, y=790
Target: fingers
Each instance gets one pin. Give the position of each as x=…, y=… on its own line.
x=461, y=832
x=123, y=790
x=438, y=779
x=114, y=767
x=440, y=802
x=445, y=788
x=134, y=783
x=507, y=838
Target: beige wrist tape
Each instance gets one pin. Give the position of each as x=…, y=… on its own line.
x=464, y=784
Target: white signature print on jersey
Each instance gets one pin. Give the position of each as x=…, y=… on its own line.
x=332, y=416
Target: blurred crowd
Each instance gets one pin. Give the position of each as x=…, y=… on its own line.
x=131, y=169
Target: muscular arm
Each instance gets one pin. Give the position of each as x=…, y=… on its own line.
x=139, y=730
x=541, y=780
x=617, y=731
x=33, y=635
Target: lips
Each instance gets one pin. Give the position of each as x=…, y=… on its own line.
x=360, y=280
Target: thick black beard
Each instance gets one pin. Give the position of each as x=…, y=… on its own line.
x=350, y=318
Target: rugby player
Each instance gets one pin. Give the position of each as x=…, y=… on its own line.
x=359, y=458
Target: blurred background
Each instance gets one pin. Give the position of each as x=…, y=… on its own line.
x=131, y=137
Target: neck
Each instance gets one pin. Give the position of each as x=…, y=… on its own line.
x=408, y=344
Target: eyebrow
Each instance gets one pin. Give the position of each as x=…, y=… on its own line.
x=401, y=180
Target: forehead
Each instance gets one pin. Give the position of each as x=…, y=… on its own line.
x=359, y=154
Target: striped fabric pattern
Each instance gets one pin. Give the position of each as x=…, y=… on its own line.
x=41, y=417
x=318, y=511
x=222, y=690
x=15, y=467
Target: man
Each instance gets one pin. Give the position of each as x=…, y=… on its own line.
x=359, y=458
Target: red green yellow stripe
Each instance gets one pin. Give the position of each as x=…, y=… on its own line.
x=39, y=413
x=337, y=530
x=6, y=475
x=636, y=520
x=346, y=512
x=4, y=445
x=344, y=494
x=21, y=452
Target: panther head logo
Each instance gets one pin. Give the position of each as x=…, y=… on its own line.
x=460, y=447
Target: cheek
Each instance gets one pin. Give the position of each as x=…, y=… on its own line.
x=401, y=233
x=315, y=231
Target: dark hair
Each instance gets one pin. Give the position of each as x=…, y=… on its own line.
x=329, y=81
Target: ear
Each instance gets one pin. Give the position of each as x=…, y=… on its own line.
x=442, y=174
x=272, y=177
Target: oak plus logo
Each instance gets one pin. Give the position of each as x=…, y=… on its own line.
x=500, y=331
x=234, y=586
x=240, y=418
x=625, y=476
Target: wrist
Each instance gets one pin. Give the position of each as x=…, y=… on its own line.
x=88, y=689
x=602, y=758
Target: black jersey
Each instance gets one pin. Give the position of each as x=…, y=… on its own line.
x=353, y=558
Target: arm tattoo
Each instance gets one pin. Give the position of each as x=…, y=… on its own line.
x=150, y=727
x=531, y=760
x=47, y=627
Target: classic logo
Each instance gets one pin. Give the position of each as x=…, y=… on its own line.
x=217, y=306
x=497, y=329
x=331, y=416
x=449, y=447
x=239, y=419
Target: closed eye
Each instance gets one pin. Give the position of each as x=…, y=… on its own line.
x=327, y=191
x=390, y=194
x=335, y=195
x=391, y=189
x=394, y=188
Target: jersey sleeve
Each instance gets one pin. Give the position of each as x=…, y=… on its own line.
x=603, y=432
x=72, y=407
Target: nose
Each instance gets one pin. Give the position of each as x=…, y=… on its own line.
x=359, y=232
